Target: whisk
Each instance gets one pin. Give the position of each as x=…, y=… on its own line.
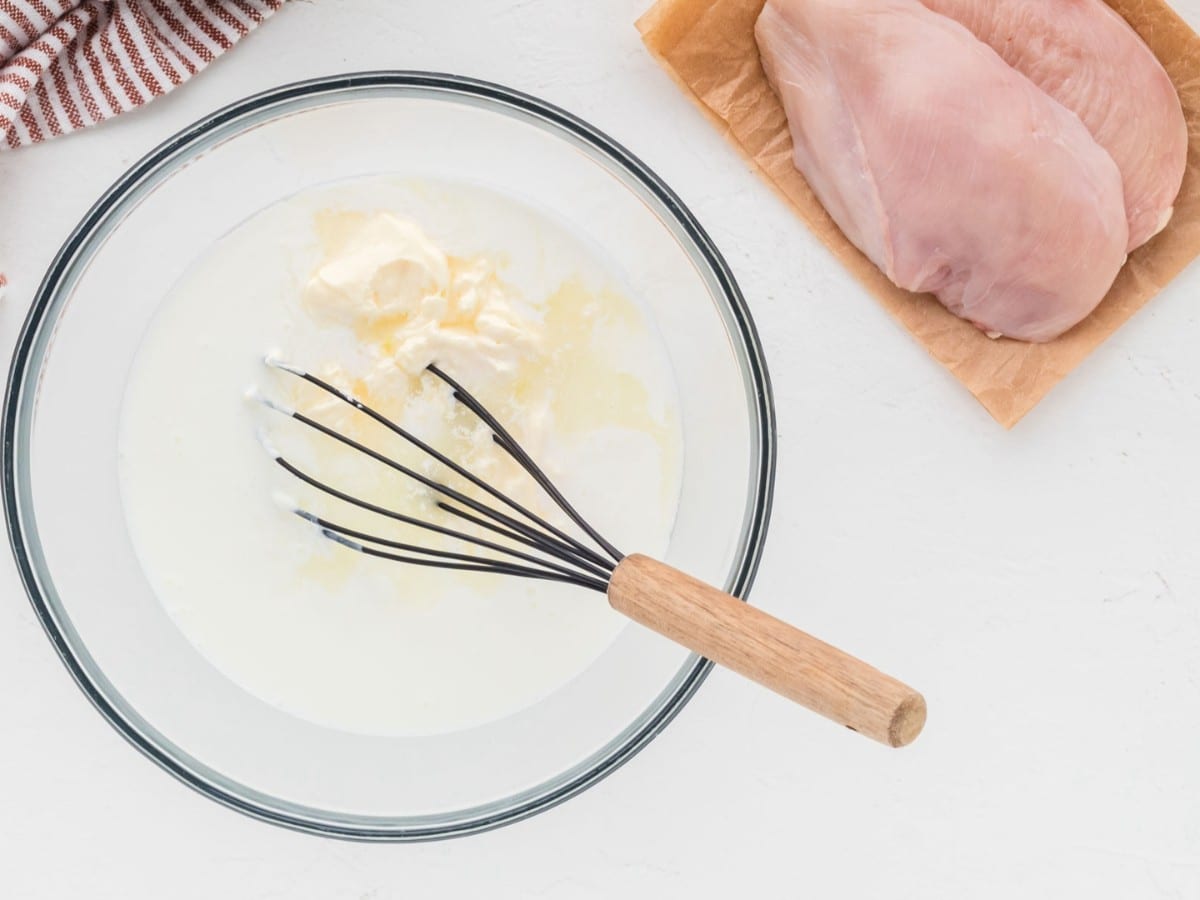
x=515, y=541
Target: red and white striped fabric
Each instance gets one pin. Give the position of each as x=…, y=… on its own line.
x=66, y=64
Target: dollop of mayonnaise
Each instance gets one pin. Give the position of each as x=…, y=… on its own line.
x=413, y=303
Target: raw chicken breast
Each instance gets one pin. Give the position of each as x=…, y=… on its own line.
x=1085, y=56
x=953, y=172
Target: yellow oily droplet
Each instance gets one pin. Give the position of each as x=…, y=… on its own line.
x=588, y=391
x=335, y=228
x=332, y=569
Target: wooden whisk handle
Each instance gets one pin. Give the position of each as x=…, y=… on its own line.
x=767, y=650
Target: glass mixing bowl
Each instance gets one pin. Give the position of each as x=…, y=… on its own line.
x=61, y=417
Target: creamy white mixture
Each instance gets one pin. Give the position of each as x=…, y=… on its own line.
x=365, y=283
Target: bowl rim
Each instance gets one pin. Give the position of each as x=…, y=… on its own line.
x=14, y=424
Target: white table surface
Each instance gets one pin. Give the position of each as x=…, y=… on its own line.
x=1041, y=586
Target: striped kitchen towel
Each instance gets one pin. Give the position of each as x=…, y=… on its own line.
x=66, y=64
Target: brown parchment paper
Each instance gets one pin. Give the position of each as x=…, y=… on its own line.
x=708, y=47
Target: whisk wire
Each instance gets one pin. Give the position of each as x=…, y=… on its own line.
x=460, y=470
x=533, y=537
x=575, y=560
x=571, y=562
x=514, y=449
x=331, y=529
x=498, y=568
x=384, y=511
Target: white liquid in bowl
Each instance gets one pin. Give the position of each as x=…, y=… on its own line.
x=343, y=640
